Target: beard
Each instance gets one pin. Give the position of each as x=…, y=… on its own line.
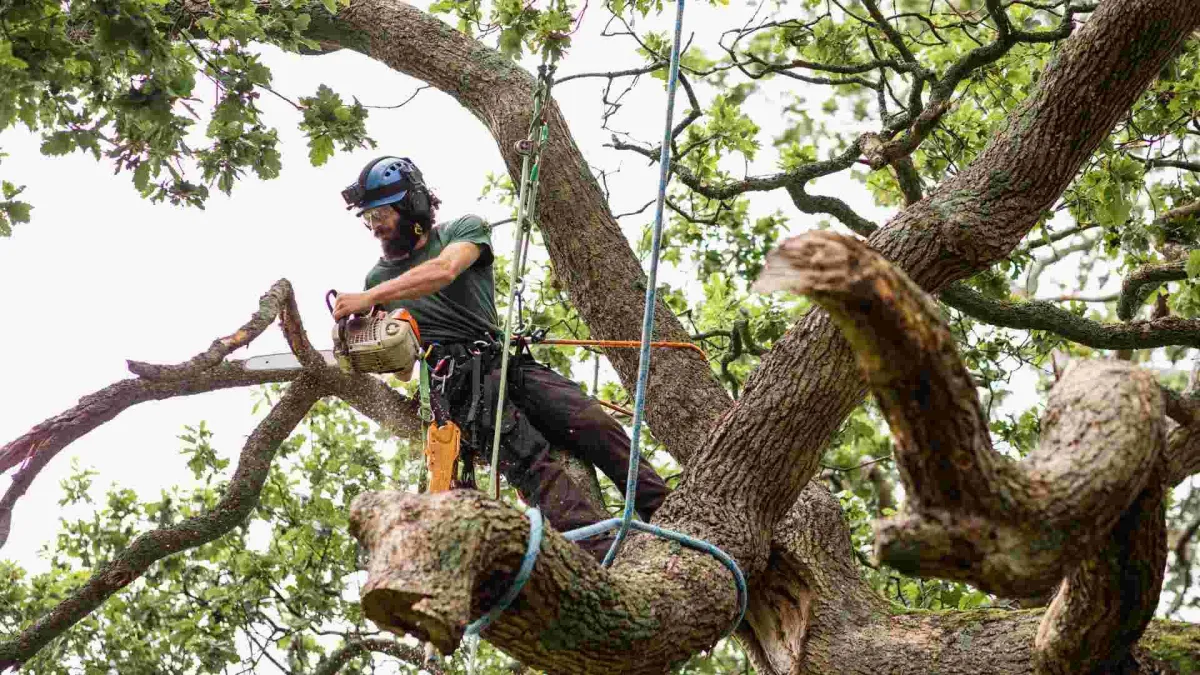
x=401, y=241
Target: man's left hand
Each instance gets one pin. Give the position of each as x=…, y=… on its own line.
x=351, y=303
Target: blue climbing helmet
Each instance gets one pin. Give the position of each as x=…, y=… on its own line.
x=390, y=180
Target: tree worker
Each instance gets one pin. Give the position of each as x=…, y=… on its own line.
x=442, y=274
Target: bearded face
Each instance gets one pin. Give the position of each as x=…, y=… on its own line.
x=397, y=235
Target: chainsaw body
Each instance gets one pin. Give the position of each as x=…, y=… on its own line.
x=377, y=344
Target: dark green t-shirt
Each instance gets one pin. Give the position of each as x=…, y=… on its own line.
x=465, y=309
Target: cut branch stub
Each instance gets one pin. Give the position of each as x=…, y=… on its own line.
x=1010, y=528
x=269, y=306
x=908, y=359
x=436, y=562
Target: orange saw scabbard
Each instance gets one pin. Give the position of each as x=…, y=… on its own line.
x=441, y=452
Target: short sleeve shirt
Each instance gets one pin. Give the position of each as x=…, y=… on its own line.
x=463, y=311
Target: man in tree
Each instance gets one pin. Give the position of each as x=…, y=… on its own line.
x=443, y=275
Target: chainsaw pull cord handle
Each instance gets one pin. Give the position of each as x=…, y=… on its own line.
x=341, y=347
x=332, y=294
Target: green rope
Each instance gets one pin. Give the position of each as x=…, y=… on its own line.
x=426, y=412
x=531, y=150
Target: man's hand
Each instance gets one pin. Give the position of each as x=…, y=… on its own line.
x=351, y=303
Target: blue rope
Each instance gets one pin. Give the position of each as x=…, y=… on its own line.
x=523, y=574
x=664, y=168
x=691, y=542
x=626, y=522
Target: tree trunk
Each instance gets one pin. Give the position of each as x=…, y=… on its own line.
x=748, y=471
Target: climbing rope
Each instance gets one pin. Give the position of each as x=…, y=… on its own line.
x=639, y=400
x=523, y=573
x=526, y=205
x=531, y=151
x=626, y=522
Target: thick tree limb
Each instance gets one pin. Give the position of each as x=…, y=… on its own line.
x=439, y=561
x=973, y=515
x=1089, y=498
x=240, y=497
x=335, y=661
x=1047, y=316
x=1103, y=607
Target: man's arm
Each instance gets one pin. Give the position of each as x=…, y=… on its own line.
x=430, y=276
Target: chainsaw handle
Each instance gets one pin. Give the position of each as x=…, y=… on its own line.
x=329, y=296
x=332, y=294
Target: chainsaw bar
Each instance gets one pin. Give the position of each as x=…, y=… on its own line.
x=284, y=361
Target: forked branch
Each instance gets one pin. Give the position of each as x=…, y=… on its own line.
x=975, y=515
x=240, y=497
x=1085, y=505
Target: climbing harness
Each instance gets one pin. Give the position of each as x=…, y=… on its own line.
x=531, y=149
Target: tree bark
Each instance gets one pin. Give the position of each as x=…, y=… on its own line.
x=744, y=477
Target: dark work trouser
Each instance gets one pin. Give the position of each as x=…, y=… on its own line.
x=551, y=411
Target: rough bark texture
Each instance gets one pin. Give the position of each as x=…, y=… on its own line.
x=589, y=253
x=1088, y=500
x=659, y=604
x=746, y=476
x=439, y=561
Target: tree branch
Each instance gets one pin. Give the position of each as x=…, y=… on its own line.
x=1142, y=282
x=342, y=655
x=438, y=561
x=1042, y=315
x=204, y=372
x=973, y=515
x=34, y=450
x=240, y=497
x=269, y=306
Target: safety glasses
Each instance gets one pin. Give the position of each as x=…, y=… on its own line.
x=376, y=215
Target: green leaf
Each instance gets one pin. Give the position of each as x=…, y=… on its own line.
x=141, y=176
x=320, y=150
x=1193, y=264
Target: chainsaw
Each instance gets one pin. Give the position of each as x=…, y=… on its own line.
x=375, y=342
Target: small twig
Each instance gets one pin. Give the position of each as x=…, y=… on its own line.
x=403, y=103
x=852, y=468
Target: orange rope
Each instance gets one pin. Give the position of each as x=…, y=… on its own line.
x=613, y=406
x=623, y=343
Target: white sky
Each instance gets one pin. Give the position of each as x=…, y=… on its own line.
x=102, y=276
